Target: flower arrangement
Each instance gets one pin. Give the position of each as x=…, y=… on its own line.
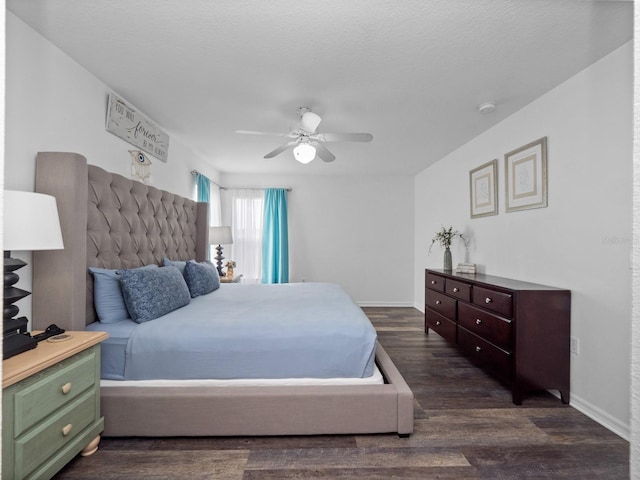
x=445, y=236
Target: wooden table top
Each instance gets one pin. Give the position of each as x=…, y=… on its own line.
x=47, y=354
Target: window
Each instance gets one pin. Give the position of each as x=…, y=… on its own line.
x=243, y=210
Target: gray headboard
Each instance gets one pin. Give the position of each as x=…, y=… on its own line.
x=107, y=221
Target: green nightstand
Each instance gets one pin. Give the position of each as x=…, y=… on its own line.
x=51, y=406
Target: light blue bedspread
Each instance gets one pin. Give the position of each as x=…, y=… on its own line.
x=297, y=330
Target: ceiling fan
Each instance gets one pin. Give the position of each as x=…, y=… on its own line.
x=307, y=142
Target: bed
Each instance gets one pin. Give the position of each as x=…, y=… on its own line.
x=140, y=226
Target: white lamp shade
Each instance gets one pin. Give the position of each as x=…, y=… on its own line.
x=220, y=236
x=304, y=152
x=30, y=222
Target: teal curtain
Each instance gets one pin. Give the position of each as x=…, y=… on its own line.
x=275, y=237
x=203, y=193
x=204, y=187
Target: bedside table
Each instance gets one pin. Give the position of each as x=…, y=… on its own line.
x=235, y=279
x=51, y=405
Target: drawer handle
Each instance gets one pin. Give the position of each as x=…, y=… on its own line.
x=488, y=300
x=433, y=282
x=437, y=322
x=478, y=321
x=456, y=289
x=66, y=430
x=438, y=302
x=66, y=388
x=478, y=349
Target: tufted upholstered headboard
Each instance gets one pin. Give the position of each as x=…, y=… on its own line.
x=107, y=221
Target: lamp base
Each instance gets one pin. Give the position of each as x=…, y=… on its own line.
x=219, y=259
x=11, y=294
x=15, y=338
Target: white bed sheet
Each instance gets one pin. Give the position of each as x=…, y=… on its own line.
x=375, y=379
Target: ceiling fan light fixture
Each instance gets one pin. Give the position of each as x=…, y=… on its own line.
x=310, y=121
x=306, y=141
x=304, y=152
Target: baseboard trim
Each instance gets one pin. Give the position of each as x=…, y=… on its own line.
x=384, y=304
x=603, y=418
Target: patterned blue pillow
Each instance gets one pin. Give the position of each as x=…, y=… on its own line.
x=176, y=263
x=201, y=278
x=107, y=295
x=150, y=294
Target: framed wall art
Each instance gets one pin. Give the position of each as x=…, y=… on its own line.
x=526, y=176
x=126, y=122
x=483, y=190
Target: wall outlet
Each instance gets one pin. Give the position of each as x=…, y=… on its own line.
x=575, y=345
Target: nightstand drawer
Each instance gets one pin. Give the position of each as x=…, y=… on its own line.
x=499, y=302
x=443, y=327
x=490, y=327
x=33, y=448
x=442, y=304
x=52, y=389
x=435, y=282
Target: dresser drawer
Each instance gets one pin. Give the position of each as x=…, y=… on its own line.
x=435, y=282
x=457, y=289
x=33, y=448
x=443, y=327
x=485, y=354
x=52, y=390
x=498, y=302
x=442, y=304
x=490, y=327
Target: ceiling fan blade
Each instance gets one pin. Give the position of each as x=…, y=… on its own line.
x=322, y=152
x=282, y=148
x=254, y=132
x=344, y=137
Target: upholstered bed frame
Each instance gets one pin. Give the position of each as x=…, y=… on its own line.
x=109, y=221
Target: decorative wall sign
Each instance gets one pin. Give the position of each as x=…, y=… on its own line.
x=526, y=176
x=125, y=122
x=483, y=190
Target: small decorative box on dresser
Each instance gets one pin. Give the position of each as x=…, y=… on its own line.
x=518, y=331
x=51, y=405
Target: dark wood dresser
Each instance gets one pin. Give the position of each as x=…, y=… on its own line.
x=518, y=331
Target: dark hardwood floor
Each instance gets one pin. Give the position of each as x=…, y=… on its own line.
x=465, y=428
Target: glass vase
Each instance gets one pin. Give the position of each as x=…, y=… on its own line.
x=447, y=260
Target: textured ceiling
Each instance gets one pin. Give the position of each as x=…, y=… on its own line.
x=409, y=72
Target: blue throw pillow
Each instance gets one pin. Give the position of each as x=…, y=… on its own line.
x=201, y=278
x=107, y=294
x=180, y=264
x=150, y=294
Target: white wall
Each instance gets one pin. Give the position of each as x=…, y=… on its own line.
x=635, y=324
x=54, y=104
x=354, y=231
x=581, y=242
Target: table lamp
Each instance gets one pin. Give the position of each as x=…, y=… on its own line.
x=30, y=222
x=220, y=236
